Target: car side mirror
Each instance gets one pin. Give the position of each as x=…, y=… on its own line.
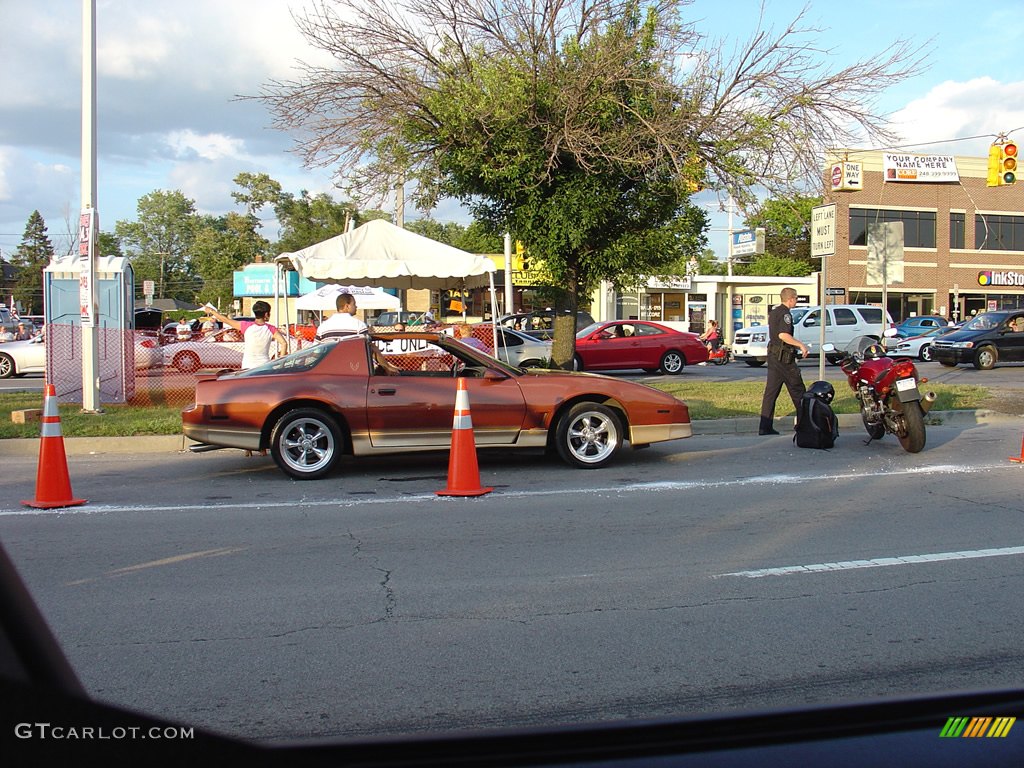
x=810, y=322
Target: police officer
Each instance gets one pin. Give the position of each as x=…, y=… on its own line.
x=782, y=367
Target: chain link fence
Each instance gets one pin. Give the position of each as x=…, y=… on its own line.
x=151, y=368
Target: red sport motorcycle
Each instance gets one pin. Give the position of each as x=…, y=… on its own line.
x=889, y=394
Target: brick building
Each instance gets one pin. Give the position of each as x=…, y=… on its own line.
x=963, y=249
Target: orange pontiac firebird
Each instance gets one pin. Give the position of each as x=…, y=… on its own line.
x=395, y=393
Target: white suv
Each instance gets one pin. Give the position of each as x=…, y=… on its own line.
x=850, y=327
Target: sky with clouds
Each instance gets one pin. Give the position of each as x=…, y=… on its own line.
x=169, y=76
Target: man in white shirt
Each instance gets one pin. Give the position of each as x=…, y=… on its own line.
x=342, y=323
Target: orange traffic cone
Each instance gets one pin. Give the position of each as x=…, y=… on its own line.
x=463, y=471
x=53, y=487
x=1019, y=459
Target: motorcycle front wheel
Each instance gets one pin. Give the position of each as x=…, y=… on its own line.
x=913, y=437
x=875, y=431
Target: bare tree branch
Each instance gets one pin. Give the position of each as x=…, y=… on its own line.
x=761, y=117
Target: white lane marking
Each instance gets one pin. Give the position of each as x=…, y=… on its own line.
x=878, y=562
x=660, y=485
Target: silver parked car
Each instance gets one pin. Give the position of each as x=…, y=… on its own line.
x=516, y=348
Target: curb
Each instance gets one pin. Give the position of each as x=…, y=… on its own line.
x=749, y=425
x=85, y=446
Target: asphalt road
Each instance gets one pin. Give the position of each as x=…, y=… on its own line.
x=720, y=572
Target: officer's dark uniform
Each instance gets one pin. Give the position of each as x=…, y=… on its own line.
x=782, y=368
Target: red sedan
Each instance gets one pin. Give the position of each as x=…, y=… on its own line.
x=625, y=344
x=395, y=393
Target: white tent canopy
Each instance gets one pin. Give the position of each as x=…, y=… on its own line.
x=386, y=256
x=325, y=299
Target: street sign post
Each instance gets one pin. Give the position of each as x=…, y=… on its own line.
x=823, y=245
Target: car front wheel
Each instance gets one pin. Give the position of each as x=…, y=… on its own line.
x=186, y=362
x=986, y=358
x=6, y=367
x=305, y=443
x=588, y=436
x=926, y=353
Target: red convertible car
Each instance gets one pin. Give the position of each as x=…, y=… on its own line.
x=395, y=392
x=616, y=345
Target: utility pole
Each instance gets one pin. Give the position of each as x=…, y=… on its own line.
x=89, y=294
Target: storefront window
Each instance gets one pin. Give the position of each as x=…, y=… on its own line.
x=918, y=226
x=996, y=232
x=957, y=229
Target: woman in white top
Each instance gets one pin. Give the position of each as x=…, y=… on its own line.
x=257, y=335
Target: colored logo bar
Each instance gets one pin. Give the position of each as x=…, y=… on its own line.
x=977, y=727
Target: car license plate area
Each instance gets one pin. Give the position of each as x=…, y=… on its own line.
x=906, y=389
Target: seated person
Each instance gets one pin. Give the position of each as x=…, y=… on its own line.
x=466, y=337
x=1017, y=325
x=712, y=337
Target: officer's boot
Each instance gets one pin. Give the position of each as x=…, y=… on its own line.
x=767, y=427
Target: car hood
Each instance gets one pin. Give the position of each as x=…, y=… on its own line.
x=751, y=329
x=961, y=336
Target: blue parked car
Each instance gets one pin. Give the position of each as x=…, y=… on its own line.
x=914, y=326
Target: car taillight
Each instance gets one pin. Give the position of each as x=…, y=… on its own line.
x=148, y=343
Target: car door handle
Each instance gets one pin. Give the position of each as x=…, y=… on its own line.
x=386, y=391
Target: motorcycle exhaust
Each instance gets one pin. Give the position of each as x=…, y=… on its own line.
x=927, y=400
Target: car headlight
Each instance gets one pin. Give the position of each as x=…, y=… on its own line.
x=759, y=337
x=962, y=344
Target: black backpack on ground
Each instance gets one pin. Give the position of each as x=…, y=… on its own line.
x=816, y=422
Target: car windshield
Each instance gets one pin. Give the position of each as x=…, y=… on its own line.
x=985, y=322
x=301, y=360
x=798, y=312
x=582, y=334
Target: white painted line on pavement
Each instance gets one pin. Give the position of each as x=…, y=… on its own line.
x=878, y=562
x=656, y=486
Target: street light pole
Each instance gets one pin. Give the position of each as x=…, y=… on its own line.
x=89, y=293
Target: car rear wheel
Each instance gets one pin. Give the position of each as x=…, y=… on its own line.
x=672, y=362
x=305, y=443
x=577, y=363
x=588, y=436
x=986, y=358
x=186, y=362
x=7, y=368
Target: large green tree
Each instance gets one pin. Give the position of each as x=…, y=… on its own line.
x=160, y=242
x=32, y=256
x=573, y=123
x=787, y=225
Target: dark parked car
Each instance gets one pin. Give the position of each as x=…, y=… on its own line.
x=984, y=340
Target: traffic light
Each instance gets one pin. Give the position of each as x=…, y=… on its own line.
x=1008, y=162
x=995, y=157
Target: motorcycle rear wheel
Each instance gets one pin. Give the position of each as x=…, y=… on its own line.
x=913, y=421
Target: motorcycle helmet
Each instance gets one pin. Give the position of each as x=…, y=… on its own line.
x=873, y=352
x=822, y=390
